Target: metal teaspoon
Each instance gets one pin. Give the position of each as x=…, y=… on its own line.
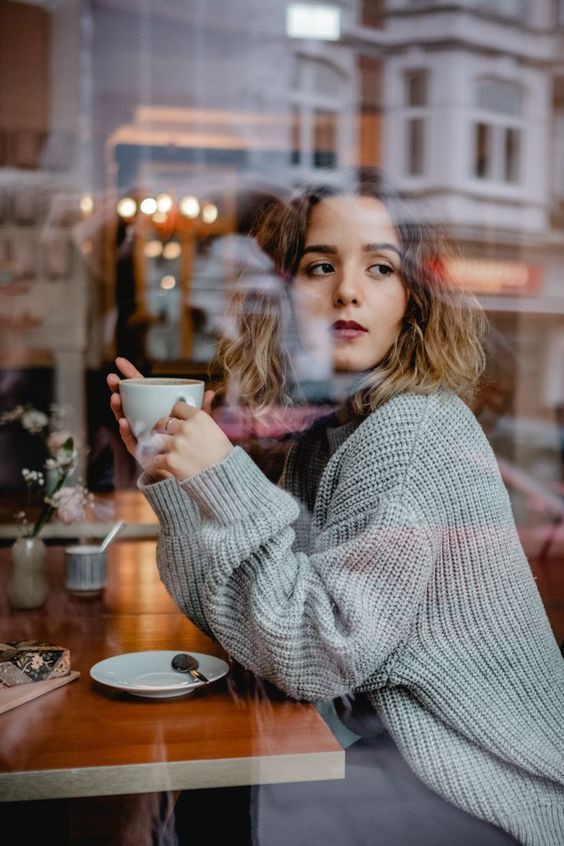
x=185, y=663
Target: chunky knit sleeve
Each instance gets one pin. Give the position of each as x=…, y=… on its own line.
x=315, y=625
x=178, y=538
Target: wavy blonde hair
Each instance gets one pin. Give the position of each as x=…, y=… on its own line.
x=440, y=343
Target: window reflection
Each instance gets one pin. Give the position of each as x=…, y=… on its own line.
x=141, y=144
x=498, y=137
x=416, y=84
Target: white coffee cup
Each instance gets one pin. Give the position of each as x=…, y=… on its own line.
x=144, y=401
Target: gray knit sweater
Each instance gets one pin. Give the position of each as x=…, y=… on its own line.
x=387, y=562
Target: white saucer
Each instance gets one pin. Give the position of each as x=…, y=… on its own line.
x=150, y=674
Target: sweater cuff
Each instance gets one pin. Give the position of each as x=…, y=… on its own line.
x=176, y=513
x=233, y=489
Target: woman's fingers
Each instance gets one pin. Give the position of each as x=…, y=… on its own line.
x=115, y=405
x=112, y=381
x=127, y=435
x=128, y=371
x=183, y=411
x=158, y=465
x=127, y=368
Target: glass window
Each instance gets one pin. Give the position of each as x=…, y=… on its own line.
x=498, y=134
x=500, y=96
x=559, y=156
x=370, y=82
x=511, y=158
x=147, y=151
x=316, y=102
x=325, y=139
x=415, y=146
x=372, y=12
x=483, y=150
x=370, y=71
x=296, y=135
x=326, y=80
x=557, y=214
x=416, y=88
x=416, y=95
x=517, y=9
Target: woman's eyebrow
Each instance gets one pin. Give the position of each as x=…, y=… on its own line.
x=366, y=248
x=374, y=248
x=319, y=248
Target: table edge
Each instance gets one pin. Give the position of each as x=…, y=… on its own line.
x=170, y=775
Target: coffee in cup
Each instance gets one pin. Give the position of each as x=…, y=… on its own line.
x=144, y=401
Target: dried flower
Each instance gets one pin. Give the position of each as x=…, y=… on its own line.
x=56, y=440
x=11, y=416
x=70, y=503
x=34, y=421
x=33, y=477
x=67, y=502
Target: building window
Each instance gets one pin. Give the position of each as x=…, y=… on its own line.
x=558, y=180
x=325, y=138
x=498, y=131
x=557, y=175
x=316, y=107
x=372, y=13
x=370, y=70
x=415, y=146
x=370, y=79
x=296, y=133
x=416, y=103
x=517, y=9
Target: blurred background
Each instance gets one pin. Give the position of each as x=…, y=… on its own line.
x=138, y=140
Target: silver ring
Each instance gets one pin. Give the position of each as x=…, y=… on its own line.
x=168, y=422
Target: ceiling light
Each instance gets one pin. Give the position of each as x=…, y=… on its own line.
x=189, y=206
x=148, y=205
x=126, y=207
x=209, y=213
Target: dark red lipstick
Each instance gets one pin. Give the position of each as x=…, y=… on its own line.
x=345, y=330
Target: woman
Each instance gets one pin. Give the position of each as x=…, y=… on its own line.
x=386, y=567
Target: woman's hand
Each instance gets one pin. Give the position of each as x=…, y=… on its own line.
x=128, y=371
x=192, y=441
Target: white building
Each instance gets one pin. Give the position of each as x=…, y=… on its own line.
x=472, y=102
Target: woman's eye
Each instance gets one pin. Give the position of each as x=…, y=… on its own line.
x=381, y=269
x=319, y=268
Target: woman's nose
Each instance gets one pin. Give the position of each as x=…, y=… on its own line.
x=347, y=291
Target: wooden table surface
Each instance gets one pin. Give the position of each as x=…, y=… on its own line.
x=87, y=740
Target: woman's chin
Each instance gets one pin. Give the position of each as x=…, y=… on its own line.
x=350, y=364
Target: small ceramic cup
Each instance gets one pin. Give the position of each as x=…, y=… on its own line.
x=85, y=570
x=144, y=401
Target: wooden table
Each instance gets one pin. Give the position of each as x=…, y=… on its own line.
x=87, y=740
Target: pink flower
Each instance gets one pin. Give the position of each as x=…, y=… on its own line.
x=70, y=502
x=56, y=440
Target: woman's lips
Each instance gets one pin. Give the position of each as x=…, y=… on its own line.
x=346, y=330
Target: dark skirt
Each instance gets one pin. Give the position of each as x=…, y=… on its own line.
x=381, y=802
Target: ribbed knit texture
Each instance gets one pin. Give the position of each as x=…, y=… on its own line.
x=388, y=564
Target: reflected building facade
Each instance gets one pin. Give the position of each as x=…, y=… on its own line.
x=198, y=112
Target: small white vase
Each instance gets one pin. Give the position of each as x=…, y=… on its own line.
x=27, y=579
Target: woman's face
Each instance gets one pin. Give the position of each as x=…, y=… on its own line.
x=348, y=283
